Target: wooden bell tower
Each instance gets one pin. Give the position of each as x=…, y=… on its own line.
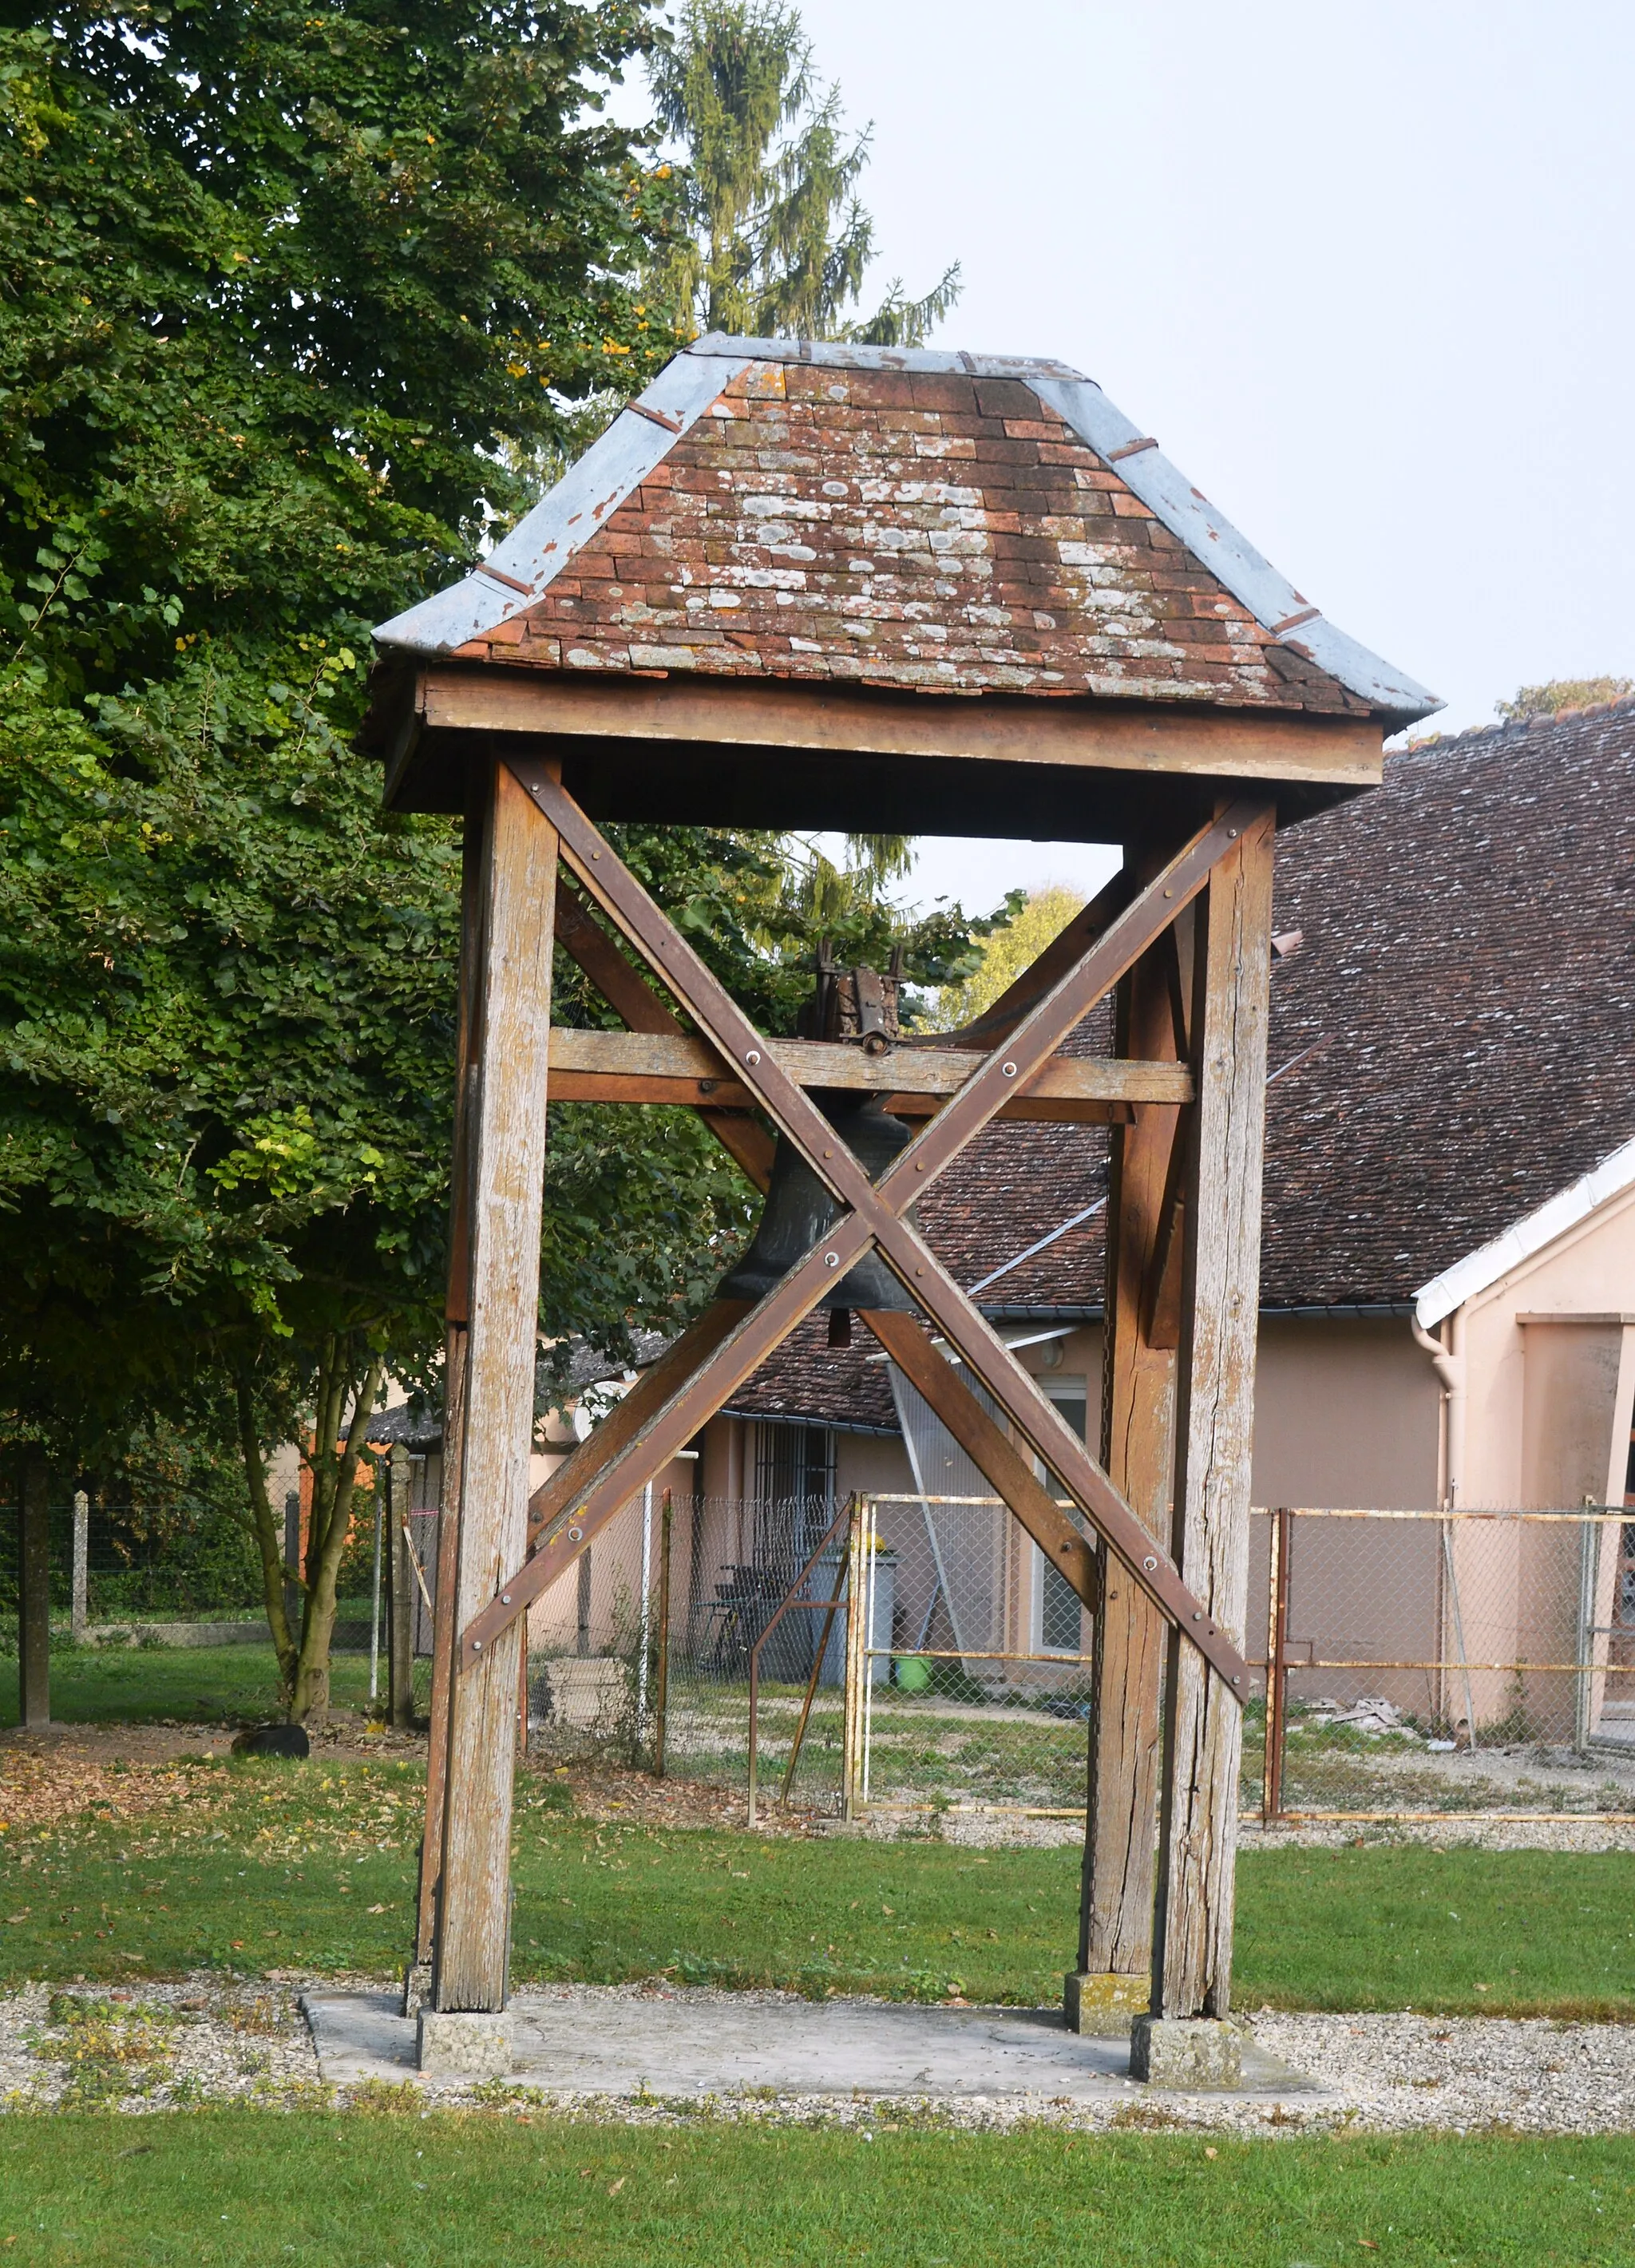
x=847, y=587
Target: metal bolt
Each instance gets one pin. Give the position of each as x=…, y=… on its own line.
x=505, y=1598
x=1231, y=834
x=574, y=1534
x=1009, y=1069
x=1151, y=1564
x=831, y=1260
x=754, y=1057
x=596, y=854
x=477, y=1645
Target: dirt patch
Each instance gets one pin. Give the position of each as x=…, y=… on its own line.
x=615, y=1797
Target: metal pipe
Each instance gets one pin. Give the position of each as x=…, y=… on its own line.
x=1277, y=1667
x=383, y=1481
x=871, y=1550
x=647, y=1574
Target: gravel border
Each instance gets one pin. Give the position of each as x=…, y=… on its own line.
x=1377, y=2073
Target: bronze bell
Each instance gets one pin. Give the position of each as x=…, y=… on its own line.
x=861, y=1006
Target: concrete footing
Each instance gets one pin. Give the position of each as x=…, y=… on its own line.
x=461, y=2043
x=1103, y=2005
x=1188, y=2053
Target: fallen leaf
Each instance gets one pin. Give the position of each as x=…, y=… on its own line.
x=375, y=1910
x=1483, y=1988
x=1211, y=2154
x=22, y=1917
x=614, y=2187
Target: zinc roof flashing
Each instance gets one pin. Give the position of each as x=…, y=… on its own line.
x=543, y=544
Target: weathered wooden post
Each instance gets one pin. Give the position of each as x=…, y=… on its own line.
x=823, y=585
x=1144, y=1199
x=1214, y=1442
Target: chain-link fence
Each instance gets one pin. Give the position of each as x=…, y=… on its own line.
x=115, y=1561
x=1422, y=1662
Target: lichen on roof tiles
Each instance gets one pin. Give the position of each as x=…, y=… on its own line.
x=923, y=522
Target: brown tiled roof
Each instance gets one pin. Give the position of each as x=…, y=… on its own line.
x=917, y=520
x=1452, y=1043
x=831, y=1386
x=1467, y=980
x=923, y=532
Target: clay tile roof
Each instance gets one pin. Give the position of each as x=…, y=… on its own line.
x=1467, y=980
x=1452, y=1039
x=922, y=521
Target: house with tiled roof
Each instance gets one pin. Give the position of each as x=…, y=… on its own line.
x=1448, y=1272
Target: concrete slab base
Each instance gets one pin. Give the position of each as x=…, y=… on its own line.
x=461, y=2043
x=1103, y=2004
x=627, y=2041
x=1192, y=2053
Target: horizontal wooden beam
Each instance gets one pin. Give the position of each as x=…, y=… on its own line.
x=1162, y=736
x=651, y=1067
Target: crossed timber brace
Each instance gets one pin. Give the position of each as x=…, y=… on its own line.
x=705, y=1367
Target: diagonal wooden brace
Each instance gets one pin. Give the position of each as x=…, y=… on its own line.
x=992, y=1449
x=874, y=1215
x=692, y=1401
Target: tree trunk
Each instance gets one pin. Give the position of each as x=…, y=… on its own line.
x=334, y=1480
x=268, y=1541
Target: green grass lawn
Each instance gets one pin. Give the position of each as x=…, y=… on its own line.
x=230, y=2188
x=143, y=1685
x=311, y=1868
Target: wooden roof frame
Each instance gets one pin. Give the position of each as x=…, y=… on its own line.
x=1194, y=789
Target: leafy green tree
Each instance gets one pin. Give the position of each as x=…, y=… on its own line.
x=778, y=243
x=1005, y=952
x=290, y=300
x=293, y=304
x=1560, y=693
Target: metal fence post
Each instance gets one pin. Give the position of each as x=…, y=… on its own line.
x=1589, y=1569
x=855, y=1643
x=1276, y=1666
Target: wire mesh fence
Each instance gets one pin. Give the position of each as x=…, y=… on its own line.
x=1423, y=1662
x=115, y=1560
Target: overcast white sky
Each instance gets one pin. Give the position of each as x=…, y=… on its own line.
x=1364, y=270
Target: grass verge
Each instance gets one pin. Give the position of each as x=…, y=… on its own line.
x=230, y=2188
x=311, y=1867
x=152, y=1684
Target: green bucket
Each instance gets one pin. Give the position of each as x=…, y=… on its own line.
x=913, y=1672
